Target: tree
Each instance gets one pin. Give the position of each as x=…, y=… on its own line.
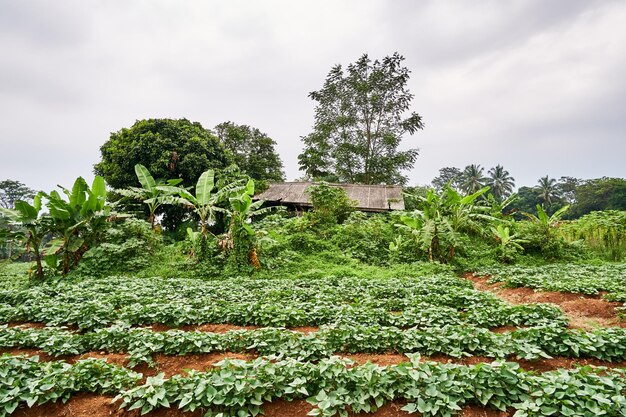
x=567, y=189
x=252, y=150
x=548, y=191
x=600, y=194
x=451, y=176
x=501, y=182
x=12, y=191
x=168, y=149
x=359, y=123
x=473, y=179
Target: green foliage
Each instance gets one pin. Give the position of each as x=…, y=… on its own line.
x=126, y=247
x=574, y=278
x=12, y=191
x=168, y=149
x=599, y=194
x=602, y=231
x=500, y=182
x=253, y=151
x=365, y=238
x=150, y=193
x=27, y=381
x=440, y=227
x=331, y=204
x=540, y=234
x=77, y=222
x=451, y=176
x=359, y=124
x=509, y=244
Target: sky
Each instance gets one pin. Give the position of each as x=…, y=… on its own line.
x=536, y=86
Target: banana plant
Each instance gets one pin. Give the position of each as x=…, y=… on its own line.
x=240, y=236
x=151, y=193
x=76, y=221
x=509, y=243
x=439, y=227
x=28, y=228
x=205, y=202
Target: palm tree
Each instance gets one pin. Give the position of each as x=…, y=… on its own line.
x=473, y=178
x=548, y=191
x=501, y=182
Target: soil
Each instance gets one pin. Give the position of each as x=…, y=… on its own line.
x=209, y=328
x=91, y=405
x=583, y=311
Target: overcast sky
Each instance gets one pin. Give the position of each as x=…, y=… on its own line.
x=537, y=86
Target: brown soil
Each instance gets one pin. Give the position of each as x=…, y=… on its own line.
x=379, y=359
x=583, y=311
x=172, y=365
x=305, y=329
x=27, y=325
x=91, y=405
x=505, y=329
x=210, y=328
x=78, y=405
x=476, y=411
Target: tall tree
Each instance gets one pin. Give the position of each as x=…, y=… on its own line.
x=548, y=191
x=501, y=182
x=600, y=194
x=451, y=176
x=12, y=191
x=473, y=178
x=168, y=149
x=252, y=150
x=360, y=121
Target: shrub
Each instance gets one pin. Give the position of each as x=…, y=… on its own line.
x=127, y=247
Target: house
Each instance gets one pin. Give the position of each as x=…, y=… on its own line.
x=371, y=198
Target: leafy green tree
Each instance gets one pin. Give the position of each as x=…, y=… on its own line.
x=253, y=151
x=473, y=179
x=451, y=176
x=501, y=182
x=600, y=194
x=168, y=149
x=548, y=191
x=359, y=123
x=12, y=191
x=567, y=189
x=331, y=205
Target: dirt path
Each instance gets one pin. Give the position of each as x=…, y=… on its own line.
x=583, y=311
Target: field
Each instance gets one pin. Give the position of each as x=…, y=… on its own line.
x=434, y=344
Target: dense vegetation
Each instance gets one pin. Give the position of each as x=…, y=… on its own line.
x=178, y=258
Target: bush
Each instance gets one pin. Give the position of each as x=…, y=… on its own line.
x=127, y=247
x=331, y=205
x=365, y=238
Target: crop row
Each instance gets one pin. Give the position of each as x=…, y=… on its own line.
x=98, y=314
x=606, y=344
x=238, y=388
x=410, y=302
x=573, y=278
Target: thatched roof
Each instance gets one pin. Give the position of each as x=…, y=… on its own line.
x=368, y=197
